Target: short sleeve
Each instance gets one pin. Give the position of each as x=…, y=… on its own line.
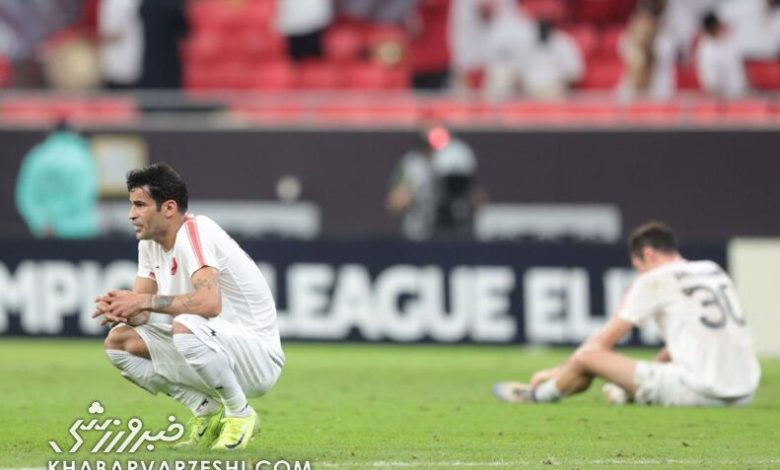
x=640, y=301
x=199, y=249
x=145, y=263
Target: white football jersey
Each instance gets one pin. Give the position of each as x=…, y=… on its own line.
x=695, y=306
x=246, y=297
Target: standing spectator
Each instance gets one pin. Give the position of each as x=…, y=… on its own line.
x=121, y=42
x=719, y=61
x=756, y=26
x=165, y=27
x=303, y=23
x=648, y=57
x=56, y=191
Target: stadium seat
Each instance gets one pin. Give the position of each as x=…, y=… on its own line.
x=343, y=43
x=367, y=76
x=272, y=76
x=763, y=75
x=609, y=42
x=321, y=76
x=601, y=74
x=6, y=72
x=586, y=39
x=687, y=78
x=553, y=10
x=203, y=47
x=213, y=15
x=598, y=12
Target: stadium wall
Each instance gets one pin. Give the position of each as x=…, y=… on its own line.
x=497, y=293
x=709, y=184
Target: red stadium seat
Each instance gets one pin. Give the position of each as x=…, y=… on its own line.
x=6, y=72
x=321, y=76
x=343, y=43
x=610, y=42
x=764, y=75
x=602, y=74
x=367, y=77
x=687, y=78
x=586, y=38
x=272, y=76
x=594, y=11
x=553, y=10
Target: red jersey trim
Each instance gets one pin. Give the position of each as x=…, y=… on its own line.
x=192, y=233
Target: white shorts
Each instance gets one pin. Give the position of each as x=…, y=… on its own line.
x=662, y=383
x=256, y=363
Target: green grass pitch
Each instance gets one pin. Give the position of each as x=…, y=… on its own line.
x=373, y=406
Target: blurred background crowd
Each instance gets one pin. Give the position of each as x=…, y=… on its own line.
x=496, y=49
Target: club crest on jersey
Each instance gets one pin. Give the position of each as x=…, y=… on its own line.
x=174, y=267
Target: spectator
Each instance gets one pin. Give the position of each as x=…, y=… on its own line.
x=56, y=191
x=550, y=62
x=719, y=61
x=682, y=18
x=756, y=27
x=303, y=23
x=433, y=187
x=648, y=57
x=121, y=43
x=164, y=26
x=485, y=32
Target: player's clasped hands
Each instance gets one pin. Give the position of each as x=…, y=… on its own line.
x=118, y=306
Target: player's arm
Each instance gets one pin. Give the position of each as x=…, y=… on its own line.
x=205, y=301
x=142, y=286
x=609, y=335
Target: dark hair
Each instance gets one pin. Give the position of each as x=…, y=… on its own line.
x=654, y=234
x=710, y=22
x=163, y=182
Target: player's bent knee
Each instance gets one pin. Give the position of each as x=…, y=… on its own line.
x=117, y=337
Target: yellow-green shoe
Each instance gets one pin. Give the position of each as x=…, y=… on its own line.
x=237, y=431
x=204, y=430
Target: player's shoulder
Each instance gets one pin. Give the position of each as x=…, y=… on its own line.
x=197, y=229
x=687, y=268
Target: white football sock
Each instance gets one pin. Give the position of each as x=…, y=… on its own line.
x=214, y=368
x=547, y=392
x=140, y=371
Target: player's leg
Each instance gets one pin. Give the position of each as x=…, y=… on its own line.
x=573, y=377
x=578, y=373
x=128, y=351
x=213, y=365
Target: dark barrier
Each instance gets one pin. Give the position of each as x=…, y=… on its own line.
x=360, y=290
x=708, y=184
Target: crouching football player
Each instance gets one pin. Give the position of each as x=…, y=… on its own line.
x=708, y=359
x=223, y=342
